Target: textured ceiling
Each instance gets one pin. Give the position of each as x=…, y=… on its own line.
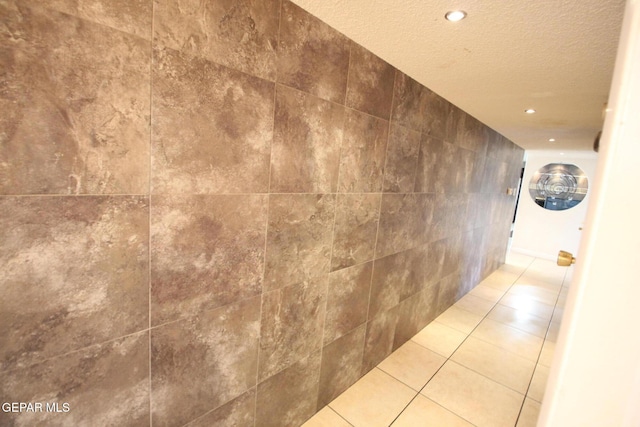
x=507, y=55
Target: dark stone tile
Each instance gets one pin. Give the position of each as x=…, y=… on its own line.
x=75, y=273
x=405, y=222
x=341, y=365
x=312, y=56
x=363, y=152
x=379, y=339
x=396, y=277
x=130, y=16
x=240, y=34
x=203, y=361
x=455, y=125
x=436, y=115
x=402, y=160
x=370, y=85
x=409, y=102
x=105, y=384
x=212, y=127
x=75, y=104
x=239, y=412
x=448, y=292
x=206, y=251
x=306, y=148
x=298, y=238
x=429, y=177
x=347, y=300
x=292, y=323
x=434, y=263
x=355, y=229
x=289, y=398
x=415, y=313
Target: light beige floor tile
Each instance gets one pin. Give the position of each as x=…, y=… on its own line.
x=558, y=312
x=495, y=363
x=546, y=271
x=529, y=414
x=536, y=293
x=326, y=418
x=519, y=260
x=528, y=305
x=520, y=320
x=511, y=339
x=374, y=400
x=546, y=355
x=474, y=397
x=412, y=364
x=554, y=331
x=474, y=304
x=423, y=412
x=501, y=280
x=440, y=338
x=538, y=383
x=487, y=292
x=457, y=318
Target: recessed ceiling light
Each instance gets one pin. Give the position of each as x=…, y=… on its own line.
x=455, y=15
x=552, y=140
x=529, y=111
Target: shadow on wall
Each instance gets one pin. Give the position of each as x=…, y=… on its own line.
x=236, y=215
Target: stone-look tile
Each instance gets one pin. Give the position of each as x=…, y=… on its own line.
x=222, y=343
x=415, y=313
x=448, y=291
x=206, y=252
x=291, y=326
x=409, y=100
x=429, y=179
x=455, y=125
x=341, y=365
x=370, y=85
x=422, y=411
x=363, y=153
x=212, y=127
x=508, y=338
x=105, y=384
x=475, y=304
x=133, y=17
x=298, y=238
x=402, y=159
x=355, y=229
x=396, y=277
x=436, y=115
x=239, y=412
x=404, y=222
x=240, y=34
x=312, y=56
x=74, y=273
x=374, y=401
x=538, y=383
x=380, y=338
x=306, y=146
x=75, y=106
x=412, y=364
x=289, y=398
x=347, y=300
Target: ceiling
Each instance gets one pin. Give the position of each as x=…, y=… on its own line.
x=555, y=56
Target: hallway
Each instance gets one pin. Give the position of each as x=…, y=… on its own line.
x=484, y=362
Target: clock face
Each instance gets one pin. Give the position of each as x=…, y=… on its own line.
x=558, y=186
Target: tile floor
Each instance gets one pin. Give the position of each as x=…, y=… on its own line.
x=484, y=362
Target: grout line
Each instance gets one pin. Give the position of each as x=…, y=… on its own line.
x=149, y=312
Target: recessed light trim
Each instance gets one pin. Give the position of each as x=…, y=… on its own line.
x=552, y=140
x=530, y=111
x=455, y=15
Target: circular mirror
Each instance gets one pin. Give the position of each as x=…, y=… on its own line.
x=558, y=186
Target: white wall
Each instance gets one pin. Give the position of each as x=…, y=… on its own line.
x=540, y=232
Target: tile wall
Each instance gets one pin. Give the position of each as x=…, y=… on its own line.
x=223, y=212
